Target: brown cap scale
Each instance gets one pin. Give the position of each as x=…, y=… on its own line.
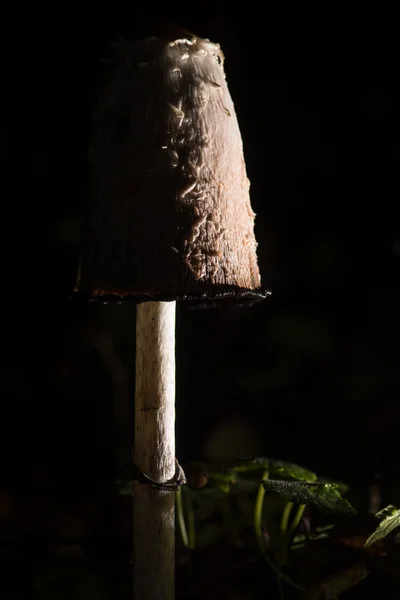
x=170, y=216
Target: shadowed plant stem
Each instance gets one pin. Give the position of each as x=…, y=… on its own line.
x=288, y=530
x=258, y=510
x=285, y=517
x=191, y=522
x=181, y=518
x=188, y=534
x=297, y=518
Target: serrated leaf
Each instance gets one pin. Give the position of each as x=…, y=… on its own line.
x=385, y=527
x=324, y=496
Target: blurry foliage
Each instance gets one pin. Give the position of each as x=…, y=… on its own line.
x=232, y=501
x=211, y=486
x=228, y=500
x=277, y=514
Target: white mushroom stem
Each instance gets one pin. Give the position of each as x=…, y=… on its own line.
x=154, y=452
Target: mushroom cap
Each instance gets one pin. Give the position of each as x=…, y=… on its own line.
x=169, y=216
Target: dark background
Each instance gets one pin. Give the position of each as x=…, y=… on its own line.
x=310, y=374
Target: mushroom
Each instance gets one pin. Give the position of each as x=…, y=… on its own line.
x=170, y=219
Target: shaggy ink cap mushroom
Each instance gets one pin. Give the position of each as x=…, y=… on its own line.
x=170, y=215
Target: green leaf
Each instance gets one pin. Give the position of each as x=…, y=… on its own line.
x=217, y=476
x=324, y=496
x=285, y=469
x=387, y=511
x=276, y=468
x=221, y=481
x=385, y=527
